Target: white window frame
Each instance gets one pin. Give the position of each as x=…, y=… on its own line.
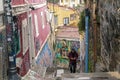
x=36, y=25
x=25, y=33
x=43, y=20
x=66, y=21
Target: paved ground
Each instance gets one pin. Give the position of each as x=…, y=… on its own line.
x=52, y=73
x=92, y=76
x=89, y=79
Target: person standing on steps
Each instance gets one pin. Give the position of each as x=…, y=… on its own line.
x=73, y=56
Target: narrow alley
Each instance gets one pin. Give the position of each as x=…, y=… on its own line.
x=59, y=39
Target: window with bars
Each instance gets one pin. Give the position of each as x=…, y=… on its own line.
x=66, y=21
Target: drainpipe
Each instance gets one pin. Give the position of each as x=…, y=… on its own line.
x=87, y=38
x=10, y=28
x=95, y=33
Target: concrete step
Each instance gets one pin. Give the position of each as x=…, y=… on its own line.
x=92, y=76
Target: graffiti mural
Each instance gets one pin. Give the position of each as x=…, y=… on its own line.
x=45, y=57
x=63, y=47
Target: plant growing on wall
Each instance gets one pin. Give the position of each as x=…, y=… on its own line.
x=81, y=24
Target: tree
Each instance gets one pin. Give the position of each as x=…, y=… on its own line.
x=81, y=24
x=53, y=1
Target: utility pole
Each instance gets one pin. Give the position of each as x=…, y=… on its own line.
x=10, y=28
x=94, y=33
x=86, y=38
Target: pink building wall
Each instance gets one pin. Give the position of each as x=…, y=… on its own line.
x=24, y=63
x=19, y=2
x=43, y=33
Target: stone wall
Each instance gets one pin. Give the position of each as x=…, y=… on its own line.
x=3, y=55
x=109, y=11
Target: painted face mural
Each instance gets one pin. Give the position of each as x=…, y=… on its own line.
x=63, y=47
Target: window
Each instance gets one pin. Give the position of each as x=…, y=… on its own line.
x=56, y=20
x=66, y=20
x=25, y=35
x=72, y=17
x=48, y=15
x=16, y=34
x=36, y=25
x=43, y=20
x=31, y=38
x=16, y=39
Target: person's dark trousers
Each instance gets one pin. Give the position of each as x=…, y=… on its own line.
x=73, y=67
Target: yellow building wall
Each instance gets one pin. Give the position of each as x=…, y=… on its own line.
x=63, y=12
x=69, y=2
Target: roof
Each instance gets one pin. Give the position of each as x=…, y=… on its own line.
x=61, y=6
x=66, y=32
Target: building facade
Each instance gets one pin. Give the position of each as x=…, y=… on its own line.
x=32, y=33
x=70, y=3
x=64, y=15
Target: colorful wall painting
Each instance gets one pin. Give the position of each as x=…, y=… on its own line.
x=63, y=47
x=45, y=58
x=40, y=33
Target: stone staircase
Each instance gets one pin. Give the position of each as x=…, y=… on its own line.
x=64, y=74
x=92, y=76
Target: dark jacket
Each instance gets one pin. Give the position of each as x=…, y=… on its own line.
x=73, y=56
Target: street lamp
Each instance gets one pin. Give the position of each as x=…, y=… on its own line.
x=10, y=28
